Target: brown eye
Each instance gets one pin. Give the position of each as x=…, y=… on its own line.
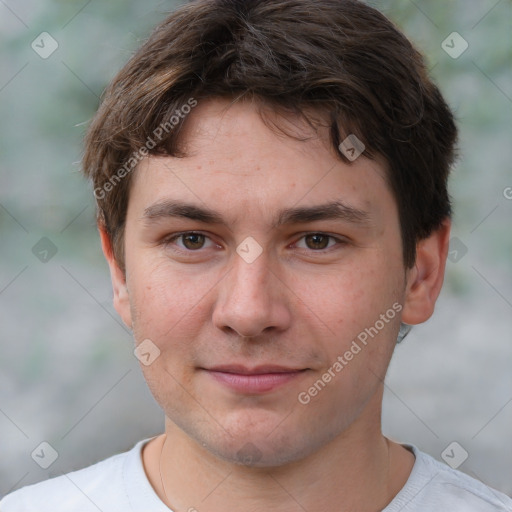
x=188, y=242
x=193, y=241
x=317, y=241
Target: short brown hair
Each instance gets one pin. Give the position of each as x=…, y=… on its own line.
x=338, y=57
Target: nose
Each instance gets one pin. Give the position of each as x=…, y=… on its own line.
x=252, y=299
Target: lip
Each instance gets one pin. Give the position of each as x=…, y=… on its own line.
x=260, y=379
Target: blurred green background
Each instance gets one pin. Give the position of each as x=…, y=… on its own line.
x=67, y=371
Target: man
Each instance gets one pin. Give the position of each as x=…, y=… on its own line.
x=272, y=203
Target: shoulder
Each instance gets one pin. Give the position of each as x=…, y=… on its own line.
x=434, y=486
x=100, y=486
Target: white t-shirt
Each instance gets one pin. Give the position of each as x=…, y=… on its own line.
x=119, y=484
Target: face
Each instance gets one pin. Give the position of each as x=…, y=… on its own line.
x=255, y=265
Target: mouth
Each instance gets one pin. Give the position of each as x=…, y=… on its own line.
x=257, y=380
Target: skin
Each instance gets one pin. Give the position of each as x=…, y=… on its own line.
x=297, y=304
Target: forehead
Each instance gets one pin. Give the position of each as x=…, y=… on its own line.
x=235, y=159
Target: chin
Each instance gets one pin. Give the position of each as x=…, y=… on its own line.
x=261, y=448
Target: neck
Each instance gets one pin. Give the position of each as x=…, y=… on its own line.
x=358, y=470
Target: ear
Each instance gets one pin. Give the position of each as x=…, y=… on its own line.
x=425, y=279
x=121, y=296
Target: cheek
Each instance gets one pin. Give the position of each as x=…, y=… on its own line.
x=173, y=308
x=356, y=311
x=166, y=309
x=347, y=299
x=163, y=295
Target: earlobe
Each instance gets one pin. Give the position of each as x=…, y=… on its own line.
x=425, y=279
x=119, y=287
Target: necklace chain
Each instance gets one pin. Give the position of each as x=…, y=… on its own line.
x=160, y=469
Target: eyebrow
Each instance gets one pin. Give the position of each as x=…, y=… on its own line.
x=335, y=210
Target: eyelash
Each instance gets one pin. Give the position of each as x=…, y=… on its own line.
x=170, y=241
